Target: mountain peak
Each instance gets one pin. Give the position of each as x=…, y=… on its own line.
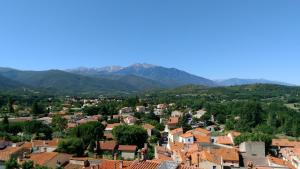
x=142, y=65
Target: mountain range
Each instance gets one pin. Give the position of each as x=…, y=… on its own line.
x=134, y=78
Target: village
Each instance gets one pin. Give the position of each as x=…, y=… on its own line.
x=172, y=146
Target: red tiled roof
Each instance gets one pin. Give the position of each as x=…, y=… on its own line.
x=107, y=145
x=148, y=126
x=175, y=131
x=202, y=139
x=144, y=165
x=127, y=148
x=42, y=158
x=111, y=126
x=201, y=130
x=186, y=135
x=224, y=140
x=173, y=120
x=6, y=153
x=114, y=164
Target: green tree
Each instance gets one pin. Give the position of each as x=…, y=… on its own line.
x=59, y=123
x=37, y=109
x=71, y=146
x=88, y=132
x=11, y=164
x=28, y=165
x=130, y=135
x=10, y=105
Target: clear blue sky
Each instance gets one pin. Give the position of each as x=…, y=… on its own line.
x=211, y=38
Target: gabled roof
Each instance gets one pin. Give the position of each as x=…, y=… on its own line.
x=173, y=120
x=187, y=135
x=148, y=126
x=7, y=152
x=42, y=158
x=201, y=130
x=285, y=143
x=114, y=164
x=144, y=165
x=107, y=145
x=176, y=131
x=202, y=139
x=111, y=126
x=224, y=140
x=127, y=148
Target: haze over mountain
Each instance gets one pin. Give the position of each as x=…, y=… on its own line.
x=238, y=81
x=134, y=78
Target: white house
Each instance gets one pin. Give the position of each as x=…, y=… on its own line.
x=187, y=138
x=174, y=135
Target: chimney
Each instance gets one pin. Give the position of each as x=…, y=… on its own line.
x=121, y=164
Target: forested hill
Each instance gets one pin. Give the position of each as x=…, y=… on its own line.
x=256, y=91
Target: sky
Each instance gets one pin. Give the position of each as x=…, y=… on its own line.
x=216, y=39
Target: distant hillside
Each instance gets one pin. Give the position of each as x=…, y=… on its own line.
x=237, y=81
x=8, y=84
x=65, y=82
x=253, y=91
x=169, y=77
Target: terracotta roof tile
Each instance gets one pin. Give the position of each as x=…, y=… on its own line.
x=113, y=164
x=202, y=139
x=224, y=140
x=148, y=126
x=173, y=120
x=201, y=130
x=127, y=148
x=107, y=145
x=186, y=135
x=176, y=131
x=144, y=165
x=6, y=153
x=42, y=158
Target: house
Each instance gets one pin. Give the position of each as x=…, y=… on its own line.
x=140, y=109
x=292, y=156
x=107, y=148
x=173, y=122
x=12, y=152
x=225, y=140
x=252, y=148
x=127, y=151
x=4, y=144
x=49, y=159
x=161, y=106
x=85, y=162
x=187, y=138
x=201, y=132
x=37, y=146
x=110, y=127
x=202, y=139
x=125, y=111
x=215, y=158
x=199, y=113
x=114, y=164
x=158, y=112
x=149, y=129
x=173, y=135
x=130, y=120
x=177, y=114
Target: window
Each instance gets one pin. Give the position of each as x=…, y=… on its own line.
x=214, y=167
